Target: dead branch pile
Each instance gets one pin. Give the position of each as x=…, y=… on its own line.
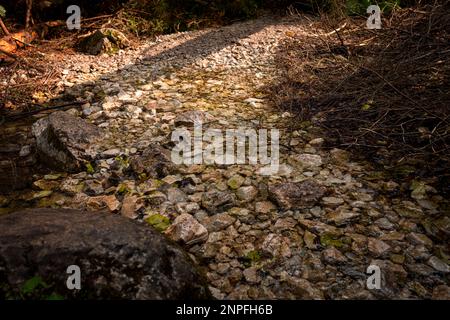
x=384, y=92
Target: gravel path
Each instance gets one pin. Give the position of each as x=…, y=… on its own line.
x=309, y=231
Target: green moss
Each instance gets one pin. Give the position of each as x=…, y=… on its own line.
x=32, y=285
x=252, y=258
x=89, y=168
x=159, y=222
x=327, y=240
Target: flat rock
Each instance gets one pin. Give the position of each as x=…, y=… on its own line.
x=189, y=118
x=216, y=201
x=296, y=195
x=118, y=257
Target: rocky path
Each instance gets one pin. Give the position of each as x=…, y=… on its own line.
x=309, y=231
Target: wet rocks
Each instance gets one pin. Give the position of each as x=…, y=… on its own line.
x=299, y=195
x=118, y=258
x=65, y=142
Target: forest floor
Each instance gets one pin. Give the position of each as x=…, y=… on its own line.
x=264, y=240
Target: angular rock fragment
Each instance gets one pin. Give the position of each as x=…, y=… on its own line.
x=187, y=230
x=65, y=142
x=296, y=195
x=155, y=162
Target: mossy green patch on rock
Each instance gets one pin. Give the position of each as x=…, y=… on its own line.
x=159, y=222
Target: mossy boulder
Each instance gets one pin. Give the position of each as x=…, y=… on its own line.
x=119, y=258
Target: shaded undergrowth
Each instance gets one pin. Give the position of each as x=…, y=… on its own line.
x=383, y=94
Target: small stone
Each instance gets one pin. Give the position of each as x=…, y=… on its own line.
x=342, y=217
x=304, y=289
x=316, y=142
x=438, y=264
x=284, y=224
x=247, y=193
x=175, y=195
x=39, y=194
x=309, y=160
x=187, y=230
x=397, y=258
x=71, y=186
x=219, y=222
x=320, y=228
x=93, y=187
x=332, y=255
x=276, y=245
x=300, y=195
x=264, y=207
x=130, y=206
x=111, y=153
x=46, y=184
x=217, y=201
x=235, y=181
x=100, y=202
x=441, y=292
x=332, y=201
x=171, y=179
x=377, y=247
x=418, y=238
x=251, y=275
x=385, y=224
x=309, y=239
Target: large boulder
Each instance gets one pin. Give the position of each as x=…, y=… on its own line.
x=65, y=142
x=118, y=258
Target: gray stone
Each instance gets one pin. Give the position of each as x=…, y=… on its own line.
x=65, y=142
x=118, y=257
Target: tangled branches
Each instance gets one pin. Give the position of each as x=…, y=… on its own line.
x=384, y=92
